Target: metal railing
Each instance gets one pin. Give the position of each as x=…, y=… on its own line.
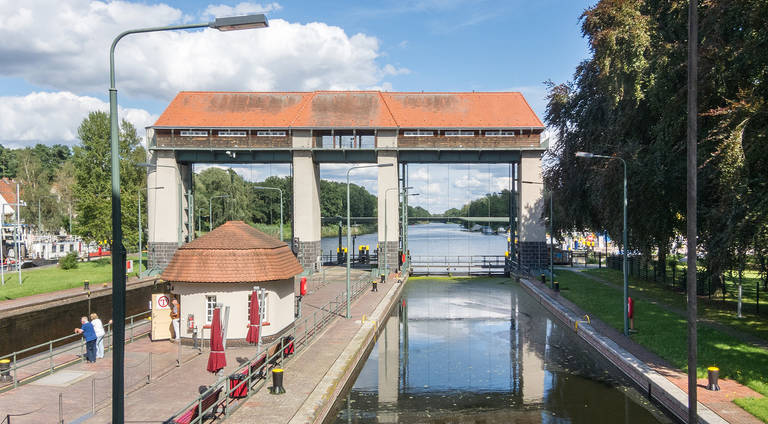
x=459, y=265
x=45, y=353
x=254, y=370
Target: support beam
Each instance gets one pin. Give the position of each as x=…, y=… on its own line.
x=532, y=232
x=165, y=221
x=388, y=205
x=306, y=208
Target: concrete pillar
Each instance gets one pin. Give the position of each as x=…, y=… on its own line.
x=306, y=208
x=388, y=183
x=532, y=231
x=164, y=208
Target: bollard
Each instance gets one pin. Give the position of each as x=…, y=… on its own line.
x=712, y=375
x=86, y=285
x=556, y=286
x=277, y=382
x=5, y=371
x=543, y=279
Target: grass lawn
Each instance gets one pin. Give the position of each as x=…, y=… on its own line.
x=664, y=333
x=53, y=278
x=714, y=309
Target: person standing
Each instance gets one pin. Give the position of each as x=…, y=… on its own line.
x=98, y=328
x=175, y=314
x=89, y=334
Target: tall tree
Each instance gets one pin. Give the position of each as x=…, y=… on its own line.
x=93, y=168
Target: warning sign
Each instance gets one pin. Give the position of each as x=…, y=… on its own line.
x=163, y=302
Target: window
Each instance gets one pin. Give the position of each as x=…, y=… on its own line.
x=229, y=133
x=418, y=133
x=210, y=305
x=459, y=133
x=191, y=133
x=270, y=133
x=499, y=133
x=262, y=306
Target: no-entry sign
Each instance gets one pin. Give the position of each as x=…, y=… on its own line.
x=162, y=302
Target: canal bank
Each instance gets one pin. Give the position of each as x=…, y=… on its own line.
x=314, y=378
x=657, y=387
x=32, y=320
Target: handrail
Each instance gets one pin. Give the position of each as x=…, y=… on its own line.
x=311, y=328
x=62, y=348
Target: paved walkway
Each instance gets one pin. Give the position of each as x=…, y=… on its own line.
x=308, y=368
x=719, y=402
x=152, y=394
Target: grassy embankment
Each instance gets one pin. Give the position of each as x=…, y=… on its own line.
x=52, y=278
x=664, y=333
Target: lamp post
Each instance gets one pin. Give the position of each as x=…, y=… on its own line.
x=210, y=209
x=588, y=155
x=349, y=223
x=118, y=262
x=281, y=206
x=141, y=259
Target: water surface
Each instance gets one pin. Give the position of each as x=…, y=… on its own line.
x=482, y=350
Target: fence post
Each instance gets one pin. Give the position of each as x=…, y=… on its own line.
x=149, y=375
x=93, y=396
x=132, y=328
x=15, y=377
x=61, y=408
x=757, y=294
x=50, y=355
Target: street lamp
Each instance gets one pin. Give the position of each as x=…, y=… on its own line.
x=281, y=206
x=588, y=155
x=118, y=261
x=210, y=210
x=349, y=224
x=141, y=258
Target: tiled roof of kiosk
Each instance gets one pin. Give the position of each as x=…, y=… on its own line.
x=232, y=253
x=348, y=109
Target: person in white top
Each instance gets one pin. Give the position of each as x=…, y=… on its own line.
x=98, y=327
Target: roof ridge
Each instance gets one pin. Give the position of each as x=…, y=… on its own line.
x=389, y=110
x=301, y=108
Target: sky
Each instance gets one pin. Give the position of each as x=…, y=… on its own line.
x=54, y=67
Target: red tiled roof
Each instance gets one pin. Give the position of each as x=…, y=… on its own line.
x=232, y=253
x=349, y=109
x=8, y=191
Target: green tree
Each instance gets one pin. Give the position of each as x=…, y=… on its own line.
x=92, y=165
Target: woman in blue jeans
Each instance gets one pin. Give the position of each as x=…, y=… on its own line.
x=89, y=334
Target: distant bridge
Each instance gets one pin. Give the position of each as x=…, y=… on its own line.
x=437, y=218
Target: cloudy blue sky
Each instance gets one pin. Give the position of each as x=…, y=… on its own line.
x=54, y=66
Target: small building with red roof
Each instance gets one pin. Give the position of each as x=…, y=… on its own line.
x=223, y=267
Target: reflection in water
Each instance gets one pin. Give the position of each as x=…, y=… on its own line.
x=482, y=350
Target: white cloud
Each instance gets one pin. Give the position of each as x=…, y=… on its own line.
x=64, y=45
x=244, y=8
x=53, y=117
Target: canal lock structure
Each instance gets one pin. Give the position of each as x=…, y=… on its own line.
x=482, y=350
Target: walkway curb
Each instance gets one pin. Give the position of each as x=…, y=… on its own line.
x=658, y=387
x=320, y=402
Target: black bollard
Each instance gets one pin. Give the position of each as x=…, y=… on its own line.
x=277, y=382
x=712, y=375
x=556, y=286
x=543, y=279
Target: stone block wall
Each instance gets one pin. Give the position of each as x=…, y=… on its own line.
x=307, y=253
x=160, y=254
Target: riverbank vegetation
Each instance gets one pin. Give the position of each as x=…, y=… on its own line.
x=662, y=331
x=53, y=278
x=627, y=100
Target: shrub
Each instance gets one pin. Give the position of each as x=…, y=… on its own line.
x=69, y=261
